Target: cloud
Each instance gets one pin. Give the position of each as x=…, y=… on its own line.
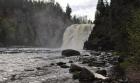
x=80, y=7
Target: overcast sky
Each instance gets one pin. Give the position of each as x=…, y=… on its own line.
x=80, y=7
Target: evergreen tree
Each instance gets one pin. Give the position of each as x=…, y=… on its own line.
x=20, y=21
x=68, y=11
x=100, y=37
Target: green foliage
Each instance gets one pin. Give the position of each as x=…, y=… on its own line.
x=118, y=23
x=19, y=20
x=100, y=38
x=134, y=35
x=125, y=64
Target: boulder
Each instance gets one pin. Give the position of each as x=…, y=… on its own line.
x=102, y=72
x=70, y=52
x=86, y=74
x=76, y=75
x=75, y=68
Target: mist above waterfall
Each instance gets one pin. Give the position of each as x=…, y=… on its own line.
x=76, y=35
x=49, y=29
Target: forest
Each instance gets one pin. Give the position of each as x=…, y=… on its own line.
x=117, y=28
x=28, y=22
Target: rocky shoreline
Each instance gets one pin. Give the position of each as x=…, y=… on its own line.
x=99, y=67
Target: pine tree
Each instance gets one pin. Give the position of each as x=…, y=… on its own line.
x=68, y=11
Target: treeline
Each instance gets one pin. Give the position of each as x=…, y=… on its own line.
x=117, y=28
x=16, y=26
x=33, y=23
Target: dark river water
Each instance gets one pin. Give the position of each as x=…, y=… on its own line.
x=33, y=65
x=39, y=65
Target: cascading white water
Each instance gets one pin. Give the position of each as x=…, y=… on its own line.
x=76, y=35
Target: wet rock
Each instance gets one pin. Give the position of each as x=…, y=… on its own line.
x=76, y=75
x=52, y=64
x=97, y=63
x=108, y=80
x=85, y=61
x=70, y=61
x=28, y=69
x=13, y=77
x=95, y=53
x=121, y=59
x=40, y=68
x=114, y=61
x=60, y=63
x=88, y=60
x=70, y=52
x=102, y=72
x=64, y=66
x=75, y=68
x=86, y=55
x=86, y=74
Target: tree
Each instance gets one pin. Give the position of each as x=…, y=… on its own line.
x=68, y=11
x=18, y=24
x=100, y=36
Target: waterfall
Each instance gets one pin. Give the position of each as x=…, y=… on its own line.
x=75, y=36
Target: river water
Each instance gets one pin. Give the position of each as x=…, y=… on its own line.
x=33, y=65
x=39, y=65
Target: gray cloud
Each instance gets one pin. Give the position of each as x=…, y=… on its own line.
x=81, y=7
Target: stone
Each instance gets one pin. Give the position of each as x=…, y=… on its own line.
x=70, y=61
x=86, y=74
x=86, y=55
x=102, y=72
x=29, y=69
x=64, y=66
x=76, y=75
x=39, y=68
x=88, y=60
x=60, y=63
x=75, y=68
x=13, y=77
x=52, y=64
x=70, y=52
x=97, y=63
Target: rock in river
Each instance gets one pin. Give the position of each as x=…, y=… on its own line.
x=75, y=68
x=70, y=52
x=86, y=74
